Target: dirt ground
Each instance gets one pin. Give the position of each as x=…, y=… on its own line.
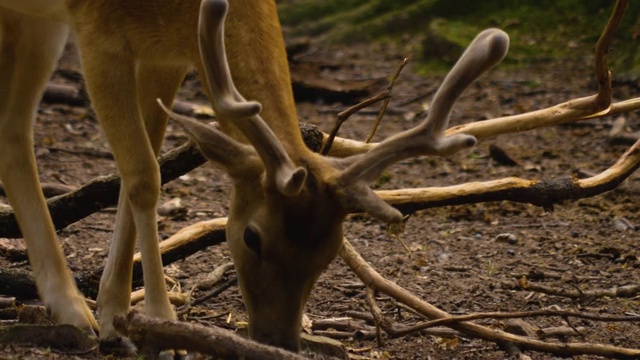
x=462, y=259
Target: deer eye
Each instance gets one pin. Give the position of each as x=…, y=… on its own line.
x=252, y=240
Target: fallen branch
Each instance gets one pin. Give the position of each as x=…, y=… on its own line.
x=102, y=192
x=343, y=147
x=48, y=189
x=374, y=280
x=66, y=338
x=187, y=241
x=627, y=291
x=153, y=335
x=75, y=96
x=512, y=315
x=543, y=193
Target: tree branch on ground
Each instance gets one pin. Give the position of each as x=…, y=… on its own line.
x=627, y=291
x=374, y=280
x=153, y=335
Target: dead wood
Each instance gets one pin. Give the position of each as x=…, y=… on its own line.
x=187, y=241
x=154, y=335
x=66, y=94
x=66, y=338
x=7, y=302
x=74, y=95
x=345, y=115
x=32, y=326
x=13, y=250
x=342, y=324
x=513, y=315
x=8, y=308
x=385, y=103
x=560, y=331
x=17, y=283
x=627, y=291
x=176, y=298
x=215, y=292
x=214, y=277
x=374, y=280
x=309, y=85
x=617, y=134
x=49, y=189
x=543, y=193
x=102, y=192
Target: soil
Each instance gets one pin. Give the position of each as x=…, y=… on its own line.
x=462, y=259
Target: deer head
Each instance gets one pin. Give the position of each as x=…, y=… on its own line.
x=288, y=204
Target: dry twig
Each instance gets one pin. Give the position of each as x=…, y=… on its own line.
x=574, y=293
x=385, y=104
x=345, y=115
x=374, y=280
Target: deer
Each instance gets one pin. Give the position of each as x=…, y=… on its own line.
x=288, y=203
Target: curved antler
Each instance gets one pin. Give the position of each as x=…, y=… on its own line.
x=230, y=105
x=486, y=50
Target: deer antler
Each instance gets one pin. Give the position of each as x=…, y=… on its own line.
x=230, y=104
x=228, y=101
x=487, y=49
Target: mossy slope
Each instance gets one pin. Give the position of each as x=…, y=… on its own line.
x=539, y=29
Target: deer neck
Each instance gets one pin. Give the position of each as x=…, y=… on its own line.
x=258, y=61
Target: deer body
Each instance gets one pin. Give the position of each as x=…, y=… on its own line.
x=288, y=204
x=132, y=53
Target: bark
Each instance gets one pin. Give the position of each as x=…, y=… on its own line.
x=154, y=335
x=60, y=337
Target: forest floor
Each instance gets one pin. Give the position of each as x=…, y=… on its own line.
x=463, y=259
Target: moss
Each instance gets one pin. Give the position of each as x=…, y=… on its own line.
x=539, y=29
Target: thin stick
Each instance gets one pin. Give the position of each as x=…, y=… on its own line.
x=346, y=114
x=378, y=318
x=512, y=315
x=385, y=104
x=627, y=291
x=373, y=279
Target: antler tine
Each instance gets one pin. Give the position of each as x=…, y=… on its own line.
x=228, y=152
x=229, y=103
x=486, y=50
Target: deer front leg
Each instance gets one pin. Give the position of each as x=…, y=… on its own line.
x=152, y=81
x=110, y=78
x=29, y=50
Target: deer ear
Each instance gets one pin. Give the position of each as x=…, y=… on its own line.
x=359, y=197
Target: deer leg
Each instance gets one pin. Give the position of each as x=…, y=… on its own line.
x=29, y=51
x=152, y=81
x=110, y=77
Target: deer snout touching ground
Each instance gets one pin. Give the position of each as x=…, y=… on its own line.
x=282, y=237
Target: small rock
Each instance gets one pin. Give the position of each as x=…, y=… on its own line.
x=511, y=252
x=499, y=155
x=622, y=224
x=172, y=207
x=507, y=238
